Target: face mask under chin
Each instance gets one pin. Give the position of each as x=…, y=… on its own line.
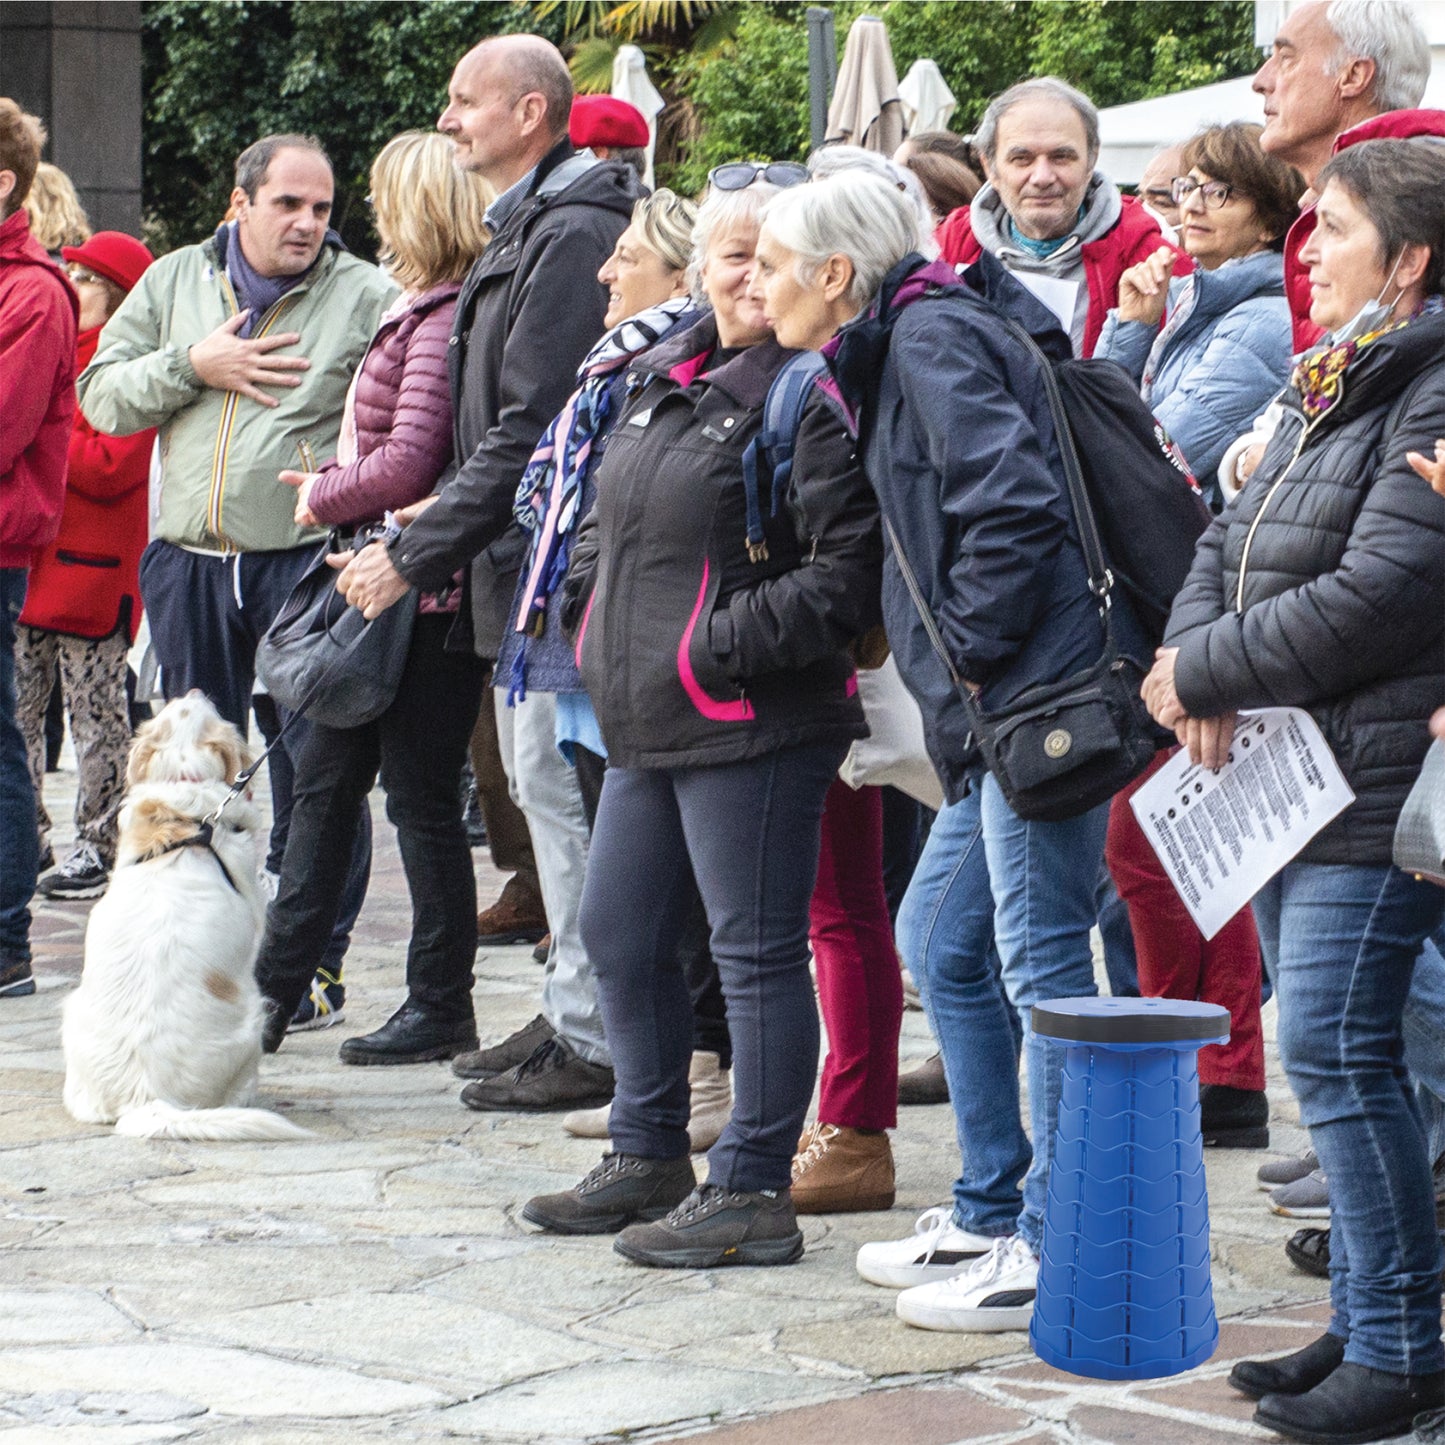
x=1372, y=315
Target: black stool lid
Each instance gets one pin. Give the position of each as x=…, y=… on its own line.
x=1130, y=1020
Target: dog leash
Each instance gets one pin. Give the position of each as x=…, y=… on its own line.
x=390, y=531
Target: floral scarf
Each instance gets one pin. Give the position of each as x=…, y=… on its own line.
x=1318, y=375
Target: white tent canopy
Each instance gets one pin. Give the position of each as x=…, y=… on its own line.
x=1130, y=134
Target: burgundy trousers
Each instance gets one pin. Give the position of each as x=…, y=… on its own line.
x=860, y=987
x=1175, y=960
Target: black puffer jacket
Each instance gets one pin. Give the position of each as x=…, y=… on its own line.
x=692, y=654
x=530, y=309
x=1323, y=586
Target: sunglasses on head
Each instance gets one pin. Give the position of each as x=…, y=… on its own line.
x=739, y=175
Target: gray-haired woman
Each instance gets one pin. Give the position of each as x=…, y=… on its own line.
x=718, y=664
x=956, y=437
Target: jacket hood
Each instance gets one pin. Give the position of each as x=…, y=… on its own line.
x=578, y=178
x=857, y=353
x=1393, y=125
x=1102, y=209
x=1217, y=292
x=19, y=247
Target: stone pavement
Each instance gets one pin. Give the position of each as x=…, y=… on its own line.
x=377, y=1282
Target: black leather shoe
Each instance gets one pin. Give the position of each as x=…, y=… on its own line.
x=411, y=1036
x=621, y=1190
x=1290, y=1374
x=1353, y=1405
x=552, y=1078
x=1309, y=1251
x=1233, y=1118
x=496, y=1059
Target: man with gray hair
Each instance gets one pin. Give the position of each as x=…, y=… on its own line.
x=528, y=312
x=1339, y=72
x=1046, y=213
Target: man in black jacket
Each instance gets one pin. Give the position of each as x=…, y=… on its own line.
x=528, y=313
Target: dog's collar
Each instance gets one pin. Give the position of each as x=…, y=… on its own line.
x=201, y=838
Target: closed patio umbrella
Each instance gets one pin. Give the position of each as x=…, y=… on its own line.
x=630, y=82
x=928, y=103
x=866, y=109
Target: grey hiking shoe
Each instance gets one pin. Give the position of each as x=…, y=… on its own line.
x=620, y=1190
x=715, y=1226
x=1307, y=1198
x=1286, y=1171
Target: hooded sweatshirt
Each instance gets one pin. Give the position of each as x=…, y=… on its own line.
x=1111, y=234
x=38, y=312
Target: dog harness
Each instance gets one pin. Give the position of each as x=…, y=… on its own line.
x=201, y=838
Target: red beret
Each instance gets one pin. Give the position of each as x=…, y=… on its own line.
x=603, y=120
x=112, y=254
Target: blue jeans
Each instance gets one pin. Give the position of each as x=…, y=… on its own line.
x=19, y=846
x=1344, y=940
x=1424, y=1029
x=1044, y=878
x=751, y=832
x=997, y=918
x=945, y=934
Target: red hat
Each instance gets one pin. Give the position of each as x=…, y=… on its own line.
x=112, y=254
x=603, y=120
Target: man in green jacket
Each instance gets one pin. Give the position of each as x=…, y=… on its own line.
x=240, y=350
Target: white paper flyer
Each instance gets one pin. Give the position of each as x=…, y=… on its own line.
x=1222, y=836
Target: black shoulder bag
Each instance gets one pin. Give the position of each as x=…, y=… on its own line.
x=321, y=657
x=1064, y=747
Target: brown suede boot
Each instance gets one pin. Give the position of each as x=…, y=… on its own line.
x=842, y=1171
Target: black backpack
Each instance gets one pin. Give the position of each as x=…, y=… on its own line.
x=1148, y=508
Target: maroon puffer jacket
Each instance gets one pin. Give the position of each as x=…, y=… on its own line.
x=403, y=417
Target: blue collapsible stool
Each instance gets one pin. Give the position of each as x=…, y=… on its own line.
x=1124, y=1291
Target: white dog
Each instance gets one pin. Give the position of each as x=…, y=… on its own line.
x=163, y=1035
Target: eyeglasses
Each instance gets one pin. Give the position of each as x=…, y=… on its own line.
x=739, y=175
x=1161, y=195
x=82, y=277
x=1216, y=193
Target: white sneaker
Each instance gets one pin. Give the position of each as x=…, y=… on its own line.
x=936, y=1250
x=994, y=1293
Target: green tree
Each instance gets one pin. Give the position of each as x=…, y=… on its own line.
x=217, y=76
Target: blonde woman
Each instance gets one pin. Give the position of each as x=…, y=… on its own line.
x=396, y=441
x=57, y=219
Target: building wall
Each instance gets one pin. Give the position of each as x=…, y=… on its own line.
x=77, y=65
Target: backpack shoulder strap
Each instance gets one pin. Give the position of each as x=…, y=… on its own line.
x=776, y=440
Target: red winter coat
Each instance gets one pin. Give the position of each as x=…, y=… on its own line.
x=403, y=417
x=1133, y=238
x=1392, y=125
x=38, y=311
x=85, y=582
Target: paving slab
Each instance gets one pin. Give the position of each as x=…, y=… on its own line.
x=377, y=1282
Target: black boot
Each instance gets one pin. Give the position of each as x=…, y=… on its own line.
x=1233, y=1118
x=412, y=1036
x=1290, y=1374
x=1353, y=1405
